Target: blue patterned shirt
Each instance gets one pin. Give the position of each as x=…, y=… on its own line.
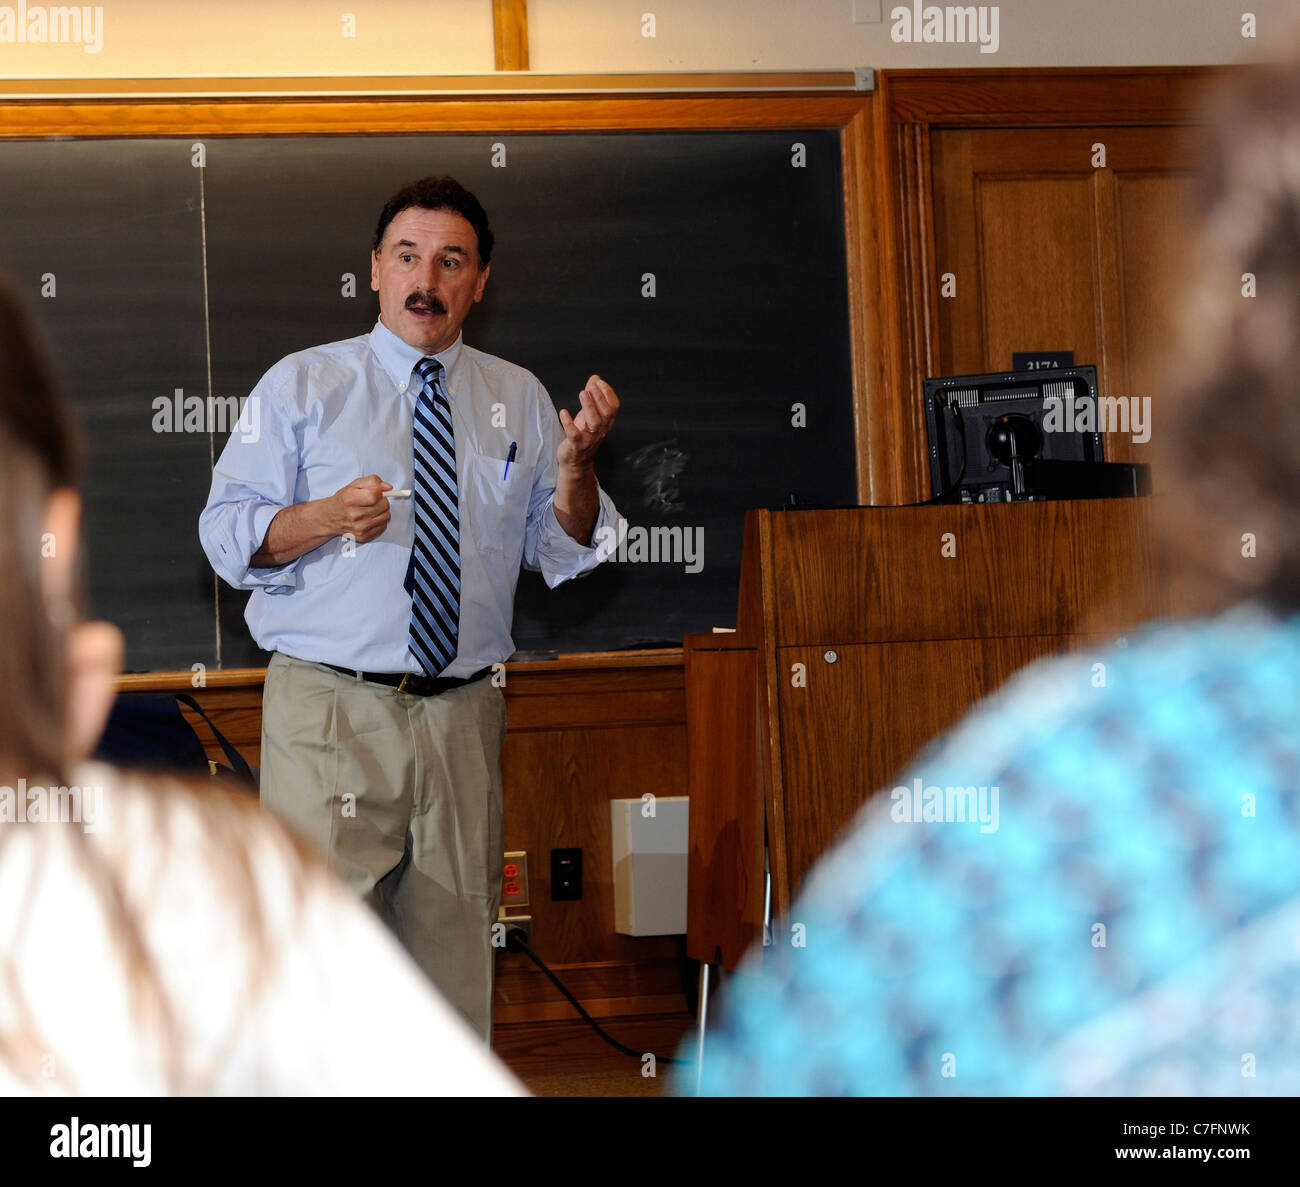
x=1129, y=925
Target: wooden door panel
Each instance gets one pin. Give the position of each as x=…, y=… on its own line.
x=1154, y=253
x=1037, y=284
x=1050, y=251
x=836, y=755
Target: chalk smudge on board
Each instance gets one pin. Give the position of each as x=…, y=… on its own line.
x=659, y=464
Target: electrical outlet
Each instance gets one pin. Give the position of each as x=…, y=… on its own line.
x=566, y=875
x=514, y=881
x=515, y=923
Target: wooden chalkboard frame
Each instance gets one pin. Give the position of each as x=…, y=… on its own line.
x=885, y=153
x=850, y=112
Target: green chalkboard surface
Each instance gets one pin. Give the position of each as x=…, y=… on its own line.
x=702, y=273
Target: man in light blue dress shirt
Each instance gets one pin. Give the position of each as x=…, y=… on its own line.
x=392, y=770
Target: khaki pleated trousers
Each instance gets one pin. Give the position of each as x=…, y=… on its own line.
x=402, y=794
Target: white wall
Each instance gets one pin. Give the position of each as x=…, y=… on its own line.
x=144, y=38
x=589, y=35
x=198, y=38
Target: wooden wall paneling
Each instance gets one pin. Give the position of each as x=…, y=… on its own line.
x=1112, y=355
x=510, y=34
x=576, y=739
x=1037, y=252
x=865, y=253
x=1018, y=97
x=959, y=319
x=884, y=270
x=1153, y=255
x=920, y=284
x=1140, y=114
x=596, y=698
x=1142, y=202
x=915, y=691
x=1019, y=209
x=897, y=468
x=1061, y=255
x=845, y=577
x=193, y=88
x=558, y=787
x=878, y=640
x=769, y=740
x=430, y=112
x=727, y=812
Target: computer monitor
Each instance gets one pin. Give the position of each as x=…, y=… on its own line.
x=1021, y=435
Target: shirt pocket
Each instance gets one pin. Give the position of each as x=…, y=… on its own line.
x=495, y=504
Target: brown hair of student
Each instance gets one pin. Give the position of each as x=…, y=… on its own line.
x=39, y=454
x=1230, y=440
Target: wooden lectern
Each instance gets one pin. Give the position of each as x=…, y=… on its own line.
x=901, y=618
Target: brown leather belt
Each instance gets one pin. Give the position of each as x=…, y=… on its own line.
x=420, y=686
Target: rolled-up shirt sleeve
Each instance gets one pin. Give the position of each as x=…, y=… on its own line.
x=548, y=548
x=254, y=479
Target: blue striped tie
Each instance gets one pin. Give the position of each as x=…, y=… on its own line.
x=433, y=576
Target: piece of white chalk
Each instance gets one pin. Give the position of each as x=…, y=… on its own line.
x=405, y=493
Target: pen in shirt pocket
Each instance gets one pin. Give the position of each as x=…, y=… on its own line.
x=510, y=457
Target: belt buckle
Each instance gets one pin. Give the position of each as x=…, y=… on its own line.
x=401, y=684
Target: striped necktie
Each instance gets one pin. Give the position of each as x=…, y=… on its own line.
x=433, y=576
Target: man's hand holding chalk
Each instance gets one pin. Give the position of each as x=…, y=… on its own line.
x=360, y=509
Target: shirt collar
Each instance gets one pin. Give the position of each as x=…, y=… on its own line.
x=398, y=358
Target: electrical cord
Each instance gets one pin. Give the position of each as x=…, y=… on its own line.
x=515, y=942
x=956, y=482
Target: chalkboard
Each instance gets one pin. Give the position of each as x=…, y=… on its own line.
x=701, y=273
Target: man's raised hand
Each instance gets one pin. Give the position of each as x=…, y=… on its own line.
x=584, y=433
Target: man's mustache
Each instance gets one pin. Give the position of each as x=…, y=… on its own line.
x=429, y=302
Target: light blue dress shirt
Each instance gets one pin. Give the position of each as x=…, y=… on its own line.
x=322, y=418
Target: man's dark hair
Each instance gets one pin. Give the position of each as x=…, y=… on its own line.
x=439, y=193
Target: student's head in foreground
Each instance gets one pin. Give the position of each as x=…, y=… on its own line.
x=56, y=672
x=1230, y=442
x=56, y=687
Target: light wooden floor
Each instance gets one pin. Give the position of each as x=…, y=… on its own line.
x=570, y=1059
